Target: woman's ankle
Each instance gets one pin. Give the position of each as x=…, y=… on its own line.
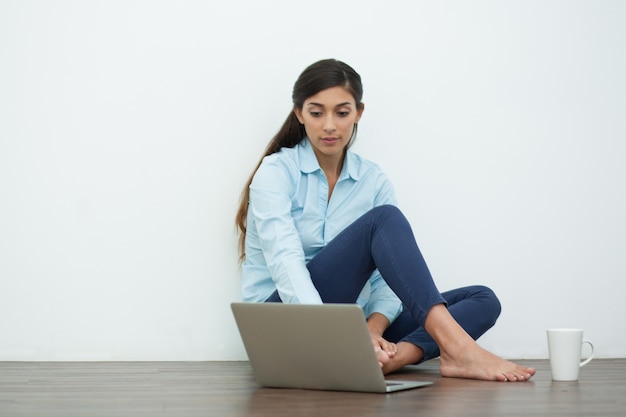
x=447, y=333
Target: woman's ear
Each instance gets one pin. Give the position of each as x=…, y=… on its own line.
x=298, y=114
x=359, y=111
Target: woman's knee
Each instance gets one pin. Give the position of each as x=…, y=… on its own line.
x=388, y=213
x=387, y=210
x=492, y=304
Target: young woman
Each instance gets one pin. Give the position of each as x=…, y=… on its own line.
x=319, y=224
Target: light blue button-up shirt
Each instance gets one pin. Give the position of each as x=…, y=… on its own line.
x=290, y=219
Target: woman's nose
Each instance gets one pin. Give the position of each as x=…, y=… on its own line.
x=329, y=124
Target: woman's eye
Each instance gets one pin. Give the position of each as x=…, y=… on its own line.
x=316, y=113
x=343, y=113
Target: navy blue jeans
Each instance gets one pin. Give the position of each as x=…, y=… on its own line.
x=383, y=239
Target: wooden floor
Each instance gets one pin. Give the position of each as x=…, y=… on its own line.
x=228, y=389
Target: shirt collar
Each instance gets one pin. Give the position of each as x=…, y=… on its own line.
x=309, y=164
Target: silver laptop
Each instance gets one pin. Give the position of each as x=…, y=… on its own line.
x=325, y=347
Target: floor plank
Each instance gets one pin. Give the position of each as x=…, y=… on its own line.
x=225, y=389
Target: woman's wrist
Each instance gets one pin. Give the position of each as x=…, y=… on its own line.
x=377, y=323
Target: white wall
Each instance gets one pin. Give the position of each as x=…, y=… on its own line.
x=127, y=129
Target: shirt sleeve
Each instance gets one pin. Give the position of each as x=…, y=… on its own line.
x=271, y=192
x=382, y=299
x=385, y=192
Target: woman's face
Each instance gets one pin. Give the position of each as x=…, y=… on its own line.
x=329, y=118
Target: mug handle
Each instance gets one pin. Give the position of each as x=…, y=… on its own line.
x=586, y=361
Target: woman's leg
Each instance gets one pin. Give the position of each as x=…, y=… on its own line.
x=382, y=238
x=476, y=309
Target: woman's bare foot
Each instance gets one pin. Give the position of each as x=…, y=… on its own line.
x=478, y=363
x=407, y=354
x=462, y=357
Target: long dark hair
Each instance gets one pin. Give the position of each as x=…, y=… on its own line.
x=319, y=76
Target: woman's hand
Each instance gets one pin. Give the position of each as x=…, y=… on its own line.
x=380, y=343
x=385, y=350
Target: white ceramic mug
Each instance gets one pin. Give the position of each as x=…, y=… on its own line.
x=565, y=348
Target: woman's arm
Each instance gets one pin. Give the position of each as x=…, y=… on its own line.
x=271, y=193
x=377, y=324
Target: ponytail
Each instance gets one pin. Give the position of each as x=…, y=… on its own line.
x=289, y=135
